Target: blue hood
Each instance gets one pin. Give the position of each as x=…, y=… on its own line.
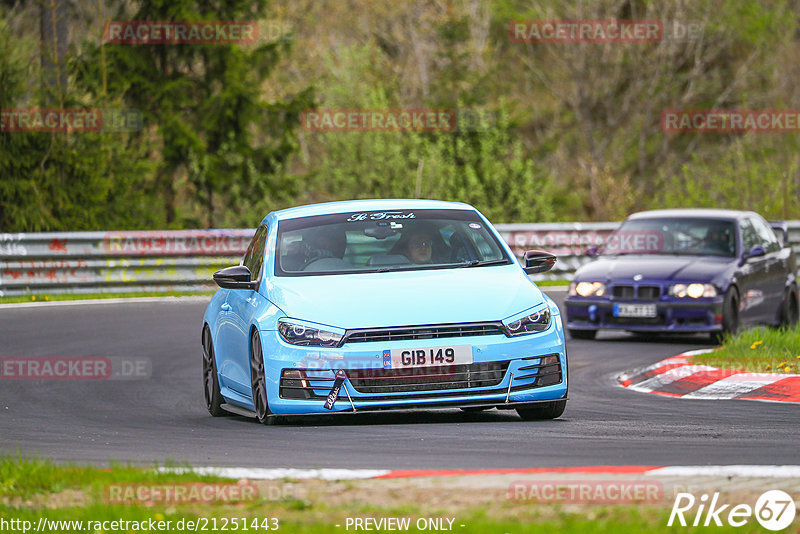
x=406, y=298
x=654, y=267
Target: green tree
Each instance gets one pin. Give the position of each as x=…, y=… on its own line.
x=218, y=143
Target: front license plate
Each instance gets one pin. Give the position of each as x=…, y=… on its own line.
x=431, y=356
x=635, y=310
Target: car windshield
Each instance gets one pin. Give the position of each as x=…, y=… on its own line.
x=694, y=237
x=385, y=241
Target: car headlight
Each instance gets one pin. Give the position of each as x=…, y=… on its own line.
x=537, y=321
x=694, y=291
x=587, y=289
x=298, y=334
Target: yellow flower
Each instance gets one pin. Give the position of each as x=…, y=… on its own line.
x=755, y=344
x=782, y=364
x=159, y=517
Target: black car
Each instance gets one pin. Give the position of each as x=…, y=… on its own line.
x=685, y=271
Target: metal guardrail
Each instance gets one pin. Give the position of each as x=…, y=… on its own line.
x=184, y=260
x=113, y=262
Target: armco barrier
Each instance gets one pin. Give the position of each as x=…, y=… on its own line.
x=112, y=262
x=157, y=261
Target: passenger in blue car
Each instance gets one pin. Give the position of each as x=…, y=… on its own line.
x=420, y=248
x=421, y=245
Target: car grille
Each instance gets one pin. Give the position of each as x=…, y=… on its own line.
x=642, y=292
x=476, y=375
x=366, y=335
x=623, y=291
x=375, y=384
x=648, y=292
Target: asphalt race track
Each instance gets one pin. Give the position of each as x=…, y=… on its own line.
x=163, y=418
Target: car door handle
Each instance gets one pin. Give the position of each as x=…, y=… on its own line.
x=225, y=307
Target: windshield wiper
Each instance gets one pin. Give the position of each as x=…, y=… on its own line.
x=481, y=263
x=394, y=268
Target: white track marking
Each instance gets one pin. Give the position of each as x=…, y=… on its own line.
x=748, y=471
x=734, y=385
x=667, y=377
x=754, y=471
x=259, y=473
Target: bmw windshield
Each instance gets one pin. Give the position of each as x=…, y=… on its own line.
x=399, y=240
x=691, y=237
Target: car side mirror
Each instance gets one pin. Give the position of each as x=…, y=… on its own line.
x=754, y=252
x=538, y=261
x=236, y=277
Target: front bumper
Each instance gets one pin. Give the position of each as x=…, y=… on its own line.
x=504, y=373
x=672, y=315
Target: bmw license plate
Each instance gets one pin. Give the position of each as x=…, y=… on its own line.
x=428, y=356
x=635, y=310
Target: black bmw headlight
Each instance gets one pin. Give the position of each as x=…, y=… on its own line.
x=298, y=334
x=537, y=321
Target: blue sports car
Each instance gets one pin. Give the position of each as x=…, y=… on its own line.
x=354, y=306
x=685, y=271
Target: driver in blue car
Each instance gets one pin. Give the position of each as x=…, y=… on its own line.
x=325, y=243
x=419, y=248
x=718, y=240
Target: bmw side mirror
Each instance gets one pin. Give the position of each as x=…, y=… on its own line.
x=754, y=252
x=236, y=277
x=538, y=261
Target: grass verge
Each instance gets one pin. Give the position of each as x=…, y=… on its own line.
x=763, y=350
x=35, y=489
x=550, y=283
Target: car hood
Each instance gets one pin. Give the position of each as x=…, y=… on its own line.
x=654, y=267
x=406, y=298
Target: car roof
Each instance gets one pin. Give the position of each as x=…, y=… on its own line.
x=704, y=213
x=327, y=208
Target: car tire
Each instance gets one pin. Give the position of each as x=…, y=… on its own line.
x=258, y=382
x=582, y=334
x=212, y=395
x=789, y=311
x=545, y=410
x=730, y=316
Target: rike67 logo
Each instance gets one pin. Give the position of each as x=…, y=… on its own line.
x=774, y=510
